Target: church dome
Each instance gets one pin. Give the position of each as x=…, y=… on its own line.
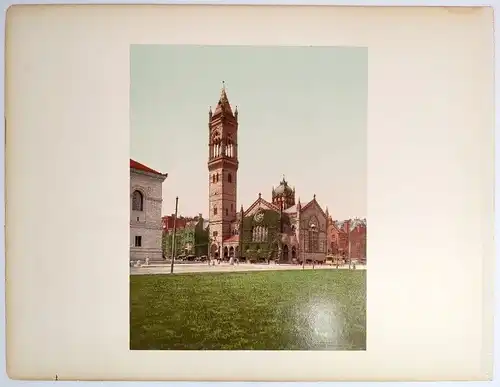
x=283, y=188
x=284, y=195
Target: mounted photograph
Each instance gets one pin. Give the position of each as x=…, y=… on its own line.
x=248, y=190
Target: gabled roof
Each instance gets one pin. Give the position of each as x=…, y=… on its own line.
x=335, y=226
x=264, y=203
x=313, y=202
x=141, y=167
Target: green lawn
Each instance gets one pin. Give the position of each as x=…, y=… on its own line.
x=267, y=310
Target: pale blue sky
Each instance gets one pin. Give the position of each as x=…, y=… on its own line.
x=302, y=114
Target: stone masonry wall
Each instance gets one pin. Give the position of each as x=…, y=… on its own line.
x=146, y=223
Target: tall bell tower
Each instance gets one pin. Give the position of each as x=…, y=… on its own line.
x=223, y=169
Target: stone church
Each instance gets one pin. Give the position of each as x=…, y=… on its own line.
x=280, y=229
x=145, y=212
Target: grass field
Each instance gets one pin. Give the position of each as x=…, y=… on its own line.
x=276, y=310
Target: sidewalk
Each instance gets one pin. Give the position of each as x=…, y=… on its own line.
x=225, y=267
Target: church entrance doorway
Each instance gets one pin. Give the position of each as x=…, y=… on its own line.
x=231, y=252
x=226, y=253
x=285, y=253
x=294, y=252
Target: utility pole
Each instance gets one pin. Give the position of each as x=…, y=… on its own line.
x=349, y=242
x=302, y=249
x=173, y=235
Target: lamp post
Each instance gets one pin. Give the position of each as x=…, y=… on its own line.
x=208, y=249
x=349, y=242
x=313, y=227
x=302, y=250
x=173, y=236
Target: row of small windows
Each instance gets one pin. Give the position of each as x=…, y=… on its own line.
x=219, y=148
x=215, y=178
x=259, y=234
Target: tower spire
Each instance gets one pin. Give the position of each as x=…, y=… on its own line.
x=223, y=105
x=223, y=95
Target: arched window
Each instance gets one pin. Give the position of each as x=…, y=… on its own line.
x=215, y=210
x=213, y=178
x=137, y=201
x=313, y=235
x=229, y=178
x=227, y=212
x=232, y=207
x=260, y=234
x=313, y=241
x=217, y=178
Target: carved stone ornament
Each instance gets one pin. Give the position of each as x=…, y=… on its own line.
x=259, y=217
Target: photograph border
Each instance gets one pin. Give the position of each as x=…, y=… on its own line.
x=10, y=382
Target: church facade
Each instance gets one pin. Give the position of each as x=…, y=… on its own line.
x=280, y=229
x=145, y=212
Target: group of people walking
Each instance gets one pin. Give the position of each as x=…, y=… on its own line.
x=232, y=261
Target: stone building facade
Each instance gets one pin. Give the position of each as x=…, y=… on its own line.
x=281, y=229
x=145, y=212
x=267, y=231
x=270, y=232
x=223, y=169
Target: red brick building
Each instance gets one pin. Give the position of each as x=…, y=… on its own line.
x=340, y=233
x=167, y=222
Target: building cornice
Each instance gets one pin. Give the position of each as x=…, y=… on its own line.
x=221, y=162
x=156, y=176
